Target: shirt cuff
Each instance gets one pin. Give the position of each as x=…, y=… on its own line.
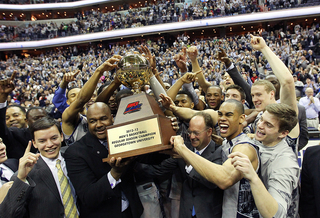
x=231, y=67
x=112, y=181
x=188, y=169
x=3, y=105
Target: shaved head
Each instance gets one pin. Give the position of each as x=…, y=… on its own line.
x=98, y=105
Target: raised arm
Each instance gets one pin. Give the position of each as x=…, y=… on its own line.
x=180, y=60
x=70, y=116
x=185, y=113
x=59, y=99
x=287, y=89
x=105, y=95
x=186, y=78
x=235, y=75
x=192, y=54
x=152, y=60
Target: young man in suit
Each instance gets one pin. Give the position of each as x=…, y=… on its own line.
x=41, y=181
x=103, y=190
x=7, y=169
x=7, y=166
x=199, y=197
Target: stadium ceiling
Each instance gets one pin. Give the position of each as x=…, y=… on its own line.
x=227, y=21
x=55, y=6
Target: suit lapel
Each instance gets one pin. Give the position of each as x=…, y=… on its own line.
x=12, y=164
x=207, y=153
x=97, y=148
x=44, y=172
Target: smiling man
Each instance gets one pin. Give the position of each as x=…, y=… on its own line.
x=237, y=199
x=103, y=190
x=214, y=97
x=41, y=181
x=16, y=136
x=7, y=166
x=16, y=116
x=198, y=196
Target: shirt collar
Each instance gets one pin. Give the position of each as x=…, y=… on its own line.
x=202, y=150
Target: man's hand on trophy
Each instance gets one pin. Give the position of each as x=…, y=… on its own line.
x=109, y=64
x=151, y=58
x=174, y=123
x=119, y=165
x=178, y=144
x=190, y=77
x=166, y=102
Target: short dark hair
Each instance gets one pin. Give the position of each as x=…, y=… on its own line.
x=44, y=123
x=285, y=114
x=239, y=88
x=216, y=86
x=185, y=92
x=207, y=118
x=35, y=108
x=22, y=109
x=70, y=90
x=239, y=105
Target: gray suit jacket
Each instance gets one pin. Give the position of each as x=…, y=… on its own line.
x=38, y=200
x=205, y=196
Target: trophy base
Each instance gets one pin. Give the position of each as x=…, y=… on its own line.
x=141, y=136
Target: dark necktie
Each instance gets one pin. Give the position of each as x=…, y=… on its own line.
x=105, y=144
x=4, y=179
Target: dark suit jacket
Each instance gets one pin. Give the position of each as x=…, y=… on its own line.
x=238, y=80
x=303, y=137
x=13, y=164
x=205, y=196
x=88, y=175
x=310, y=184
x=38, y=200
x=14, y=138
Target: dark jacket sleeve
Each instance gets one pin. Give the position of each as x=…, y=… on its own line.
x=90, y=189
x=15, y=203
x=238, y=80
x=196, y=176
x=308, y=203
x=304, y=137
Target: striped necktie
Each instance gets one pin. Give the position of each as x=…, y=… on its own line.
x=70, y=209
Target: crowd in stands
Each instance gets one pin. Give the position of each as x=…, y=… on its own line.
x=92, y=21
x=237, y=175
x=38, y=77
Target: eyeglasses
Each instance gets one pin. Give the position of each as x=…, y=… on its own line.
x=195, y=133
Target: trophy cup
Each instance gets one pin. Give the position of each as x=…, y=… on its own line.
x=140, y=125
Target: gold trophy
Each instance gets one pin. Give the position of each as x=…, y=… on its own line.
x=140, y=125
